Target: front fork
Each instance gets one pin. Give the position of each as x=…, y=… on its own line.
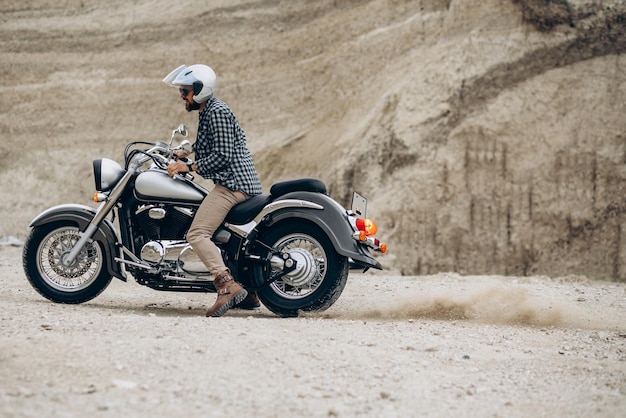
x=103, y=210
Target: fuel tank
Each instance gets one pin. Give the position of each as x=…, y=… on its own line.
x=157, y=185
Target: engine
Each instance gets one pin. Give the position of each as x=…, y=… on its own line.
x=160, y=236
x=178, y=256
x=163, y=222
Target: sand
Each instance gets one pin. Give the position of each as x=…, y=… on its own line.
x=438, y=346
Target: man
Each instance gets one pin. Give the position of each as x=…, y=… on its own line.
x=221, y=156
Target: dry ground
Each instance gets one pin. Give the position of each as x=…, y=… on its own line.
x=436, y=346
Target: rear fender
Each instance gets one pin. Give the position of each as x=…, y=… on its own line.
x=331, y=218
x=82, y=215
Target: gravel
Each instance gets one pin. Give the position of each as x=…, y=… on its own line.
x=434, y=346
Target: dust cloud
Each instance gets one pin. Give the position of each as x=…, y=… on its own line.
x=490, y=304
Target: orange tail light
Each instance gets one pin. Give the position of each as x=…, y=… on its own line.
x=366, y=225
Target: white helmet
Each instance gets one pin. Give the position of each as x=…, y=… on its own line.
x=200, y=76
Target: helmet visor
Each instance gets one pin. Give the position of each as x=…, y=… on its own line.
x=179, y=77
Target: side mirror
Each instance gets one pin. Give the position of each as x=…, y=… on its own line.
x=182, y=129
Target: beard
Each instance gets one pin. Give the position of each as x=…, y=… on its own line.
x=192, y=106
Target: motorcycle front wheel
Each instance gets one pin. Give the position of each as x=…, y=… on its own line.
x=319, y=278
x=82, y=280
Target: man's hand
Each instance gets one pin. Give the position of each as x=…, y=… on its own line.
x=177, y=167
x=179, y=153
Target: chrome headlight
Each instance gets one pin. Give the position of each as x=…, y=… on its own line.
x=106, y=174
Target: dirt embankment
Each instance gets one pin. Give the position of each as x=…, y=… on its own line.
x=487, y=135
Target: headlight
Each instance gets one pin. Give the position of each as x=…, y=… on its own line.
x=106, y=174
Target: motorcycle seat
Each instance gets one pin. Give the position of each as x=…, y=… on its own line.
x=244, y=212
x=298, y=185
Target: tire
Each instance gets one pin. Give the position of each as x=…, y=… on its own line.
x=79, y=283
x=324, y=277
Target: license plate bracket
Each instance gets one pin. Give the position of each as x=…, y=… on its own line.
x=359, y=204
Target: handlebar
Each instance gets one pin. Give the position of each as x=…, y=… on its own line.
x=153, y=153
x=161, y=156
x=160, y=153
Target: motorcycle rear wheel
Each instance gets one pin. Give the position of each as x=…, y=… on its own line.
x=85, y=279
x=322, y=276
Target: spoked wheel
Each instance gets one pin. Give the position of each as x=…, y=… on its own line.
x=320, y=275
x=59, y=281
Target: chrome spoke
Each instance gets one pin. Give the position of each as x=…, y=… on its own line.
x=80, y=274
x=311, y=266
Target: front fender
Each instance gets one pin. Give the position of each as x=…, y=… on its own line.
x=82, y=215
x=332, y=219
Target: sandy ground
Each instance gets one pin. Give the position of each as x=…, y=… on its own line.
x=436, y=346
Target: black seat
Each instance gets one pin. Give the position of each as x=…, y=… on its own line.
x=298, y=185
x=244, y=212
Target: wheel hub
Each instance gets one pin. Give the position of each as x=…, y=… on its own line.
x=306, y=268
x=57, y=255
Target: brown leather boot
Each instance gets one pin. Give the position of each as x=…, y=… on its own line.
x=229, y=293
x=250, y=302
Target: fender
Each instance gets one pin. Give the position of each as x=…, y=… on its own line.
x=82, y=216
x=331, y=218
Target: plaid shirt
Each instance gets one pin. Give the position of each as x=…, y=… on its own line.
x=221, y=152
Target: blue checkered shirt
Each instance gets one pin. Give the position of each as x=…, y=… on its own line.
x=221, y=152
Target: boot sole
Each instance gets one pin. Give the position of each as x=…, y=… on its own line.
x=228, y=305
x=246, y=307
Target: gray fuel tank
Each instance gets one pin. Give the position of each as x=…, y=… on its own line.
x=157, y=185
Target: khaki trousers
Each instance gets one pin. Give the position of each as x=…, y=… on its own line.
x=209, y=217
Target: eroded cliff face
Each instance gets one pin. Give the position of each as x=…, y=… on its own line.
x=533, y=175
x=496, y=141
x=527, y=159
x=487, y=135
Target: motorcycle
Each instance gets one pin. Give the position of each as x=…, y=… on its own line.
x=293, y=246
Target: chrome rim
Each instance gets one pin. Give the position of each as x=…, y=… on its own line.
x=311, y=266
x=75, y=277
